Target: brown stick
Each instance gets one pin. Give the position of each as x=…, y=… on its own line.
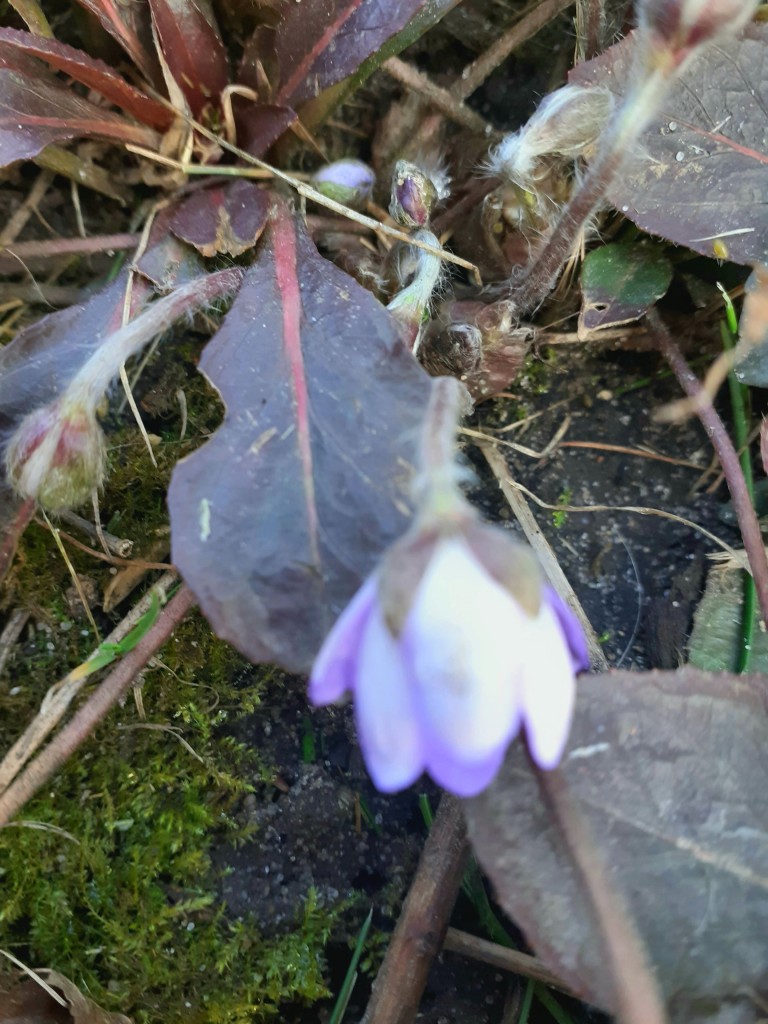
x=726, y=453
x=474, y=74
x=637, y=996
x=116, y=684
x=502, y=957
x=441, y=99
x=419, y=933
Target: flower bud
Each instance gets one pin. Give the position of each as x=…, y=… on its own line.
x=415, y=192
x=680, y=26
x=57, y=455
x=565, y=124
x=346, y=181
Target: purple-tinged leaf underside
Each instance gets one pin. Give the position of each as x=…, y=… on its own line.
x=700, y=173
x=279, y=517
x=323, y=42
x=671, y=771
x=36, y=111
x=192, y=48
x=129, y=23
x=93, y=73
x=226, y=219
x=260, y=125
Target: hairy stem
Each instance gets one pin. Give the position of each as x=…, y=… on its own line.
x=637, y=997
x=626, y=128
x=727, y=454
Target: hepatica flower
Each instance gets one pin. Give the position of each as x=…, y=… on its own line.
x=449, y=649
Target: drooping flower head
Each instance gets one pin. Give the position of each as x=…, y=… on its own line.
x=452, y=647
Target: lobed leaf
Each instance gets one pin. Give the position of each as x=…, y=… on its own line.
x=671, y=771
x=700, y=173
x=279, y=517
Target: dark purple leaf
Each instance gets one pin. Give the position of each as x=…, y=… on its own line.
x=671, y=770
x=258, y=126
x=224, y=219
x=278, y=518
x=166, y=261
x=322, y=42
x=192, y=48
x=128, y=22
x=93, y=73
x=36, y=111
x=258, y=64
x=700, y=170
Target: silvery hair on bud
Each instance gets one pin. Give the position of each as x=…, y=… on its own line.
x=565, y=123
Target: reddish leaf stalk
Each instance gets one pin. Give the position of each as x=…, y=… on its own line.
x=109, y=692
x=638, y=1000
x=726, y=453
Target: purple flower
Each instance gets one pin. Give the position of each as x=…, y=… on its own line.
x=446, y=675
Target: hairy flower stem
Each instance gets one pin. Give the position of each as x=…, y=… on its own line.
x=726, y=453
x=94, y=379
x=622, y=136
x=636, y=993
x=436, y=487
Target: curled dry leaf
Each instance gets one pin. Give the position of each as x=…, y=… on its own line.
x=279, y=517
x=27, y=1002
x=672, y=773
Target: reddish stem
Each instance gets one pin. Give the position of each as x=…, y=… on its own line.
x=726, y=453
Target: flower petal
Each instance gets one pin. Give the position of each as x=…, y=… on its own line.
x=460, y=777
x=549, y=689
x=335, y=668
x=387, y=726
x=465, y=640
x=571, y=628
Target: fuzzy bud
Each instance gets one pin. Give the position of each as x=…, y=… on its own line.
x=565, y=124
x=416, y=190
x=346, y=181
x=680, y=26
x=57, y=455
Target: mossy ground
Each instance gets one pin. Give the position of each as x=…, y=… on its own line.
x=107, y=875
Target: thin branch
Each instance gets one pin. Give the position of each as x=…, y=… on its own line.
x=109, y=692
x=418, y=936
x=726, y=452
x=500, y=956
x=441, y=99
x=474, y=74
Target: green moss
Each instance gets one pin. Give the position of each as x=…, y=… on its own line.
x=115, y=888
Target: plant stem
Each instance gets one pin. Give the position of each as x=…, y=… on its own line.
x=636, y=994
x=739, y=399
x=627, y=126
x=726, y=452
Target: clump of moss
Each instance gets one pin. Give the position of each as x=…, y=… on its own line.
x=108, y=877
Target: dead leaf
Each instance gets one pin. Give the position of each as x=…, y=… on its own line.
x=27, y=1002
